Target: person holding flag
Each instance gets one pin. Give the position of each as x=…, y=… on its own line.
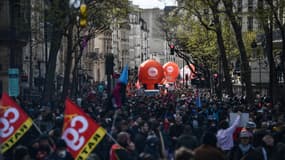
x=124, y=149
x=119, y=92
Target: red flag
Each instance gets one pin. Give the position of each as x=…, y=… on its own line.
x=14, y=122
x=80, y=132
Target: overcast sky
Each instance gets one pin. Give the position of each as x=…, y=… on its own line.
x=153, y=3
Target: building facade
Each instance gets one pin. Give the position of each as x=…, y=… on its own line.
x=14, y=36
x=157, y=45
x=139, y=38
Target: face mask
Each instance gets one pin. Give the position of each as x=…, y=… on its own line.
x=244, y=148
x=61, y=154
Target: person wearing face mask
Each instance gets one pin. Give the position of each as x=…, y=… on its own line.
x=61, y=152
x=244, y=149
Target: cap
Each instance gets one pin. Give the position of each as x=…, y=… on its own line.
x=250, y=124
x=244, y=134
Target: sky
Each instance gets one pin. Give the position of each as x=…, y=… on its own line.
x=153, y=3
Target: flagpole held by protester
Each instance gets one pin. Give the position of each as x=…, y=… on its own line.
x=119, y=94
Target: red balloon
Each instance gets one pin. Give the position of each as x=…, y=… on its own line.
x=150, y=73
x=171, y=71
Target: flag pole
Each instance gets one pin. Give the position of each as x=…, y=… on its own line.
x=114, y=121
x=111, y=137
x=49, y=138
x=37, y=127
x=164, y=156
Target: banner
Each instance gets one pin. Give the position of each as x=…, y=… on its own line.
x=14, y=122
x=244, y=118
x=80, y=132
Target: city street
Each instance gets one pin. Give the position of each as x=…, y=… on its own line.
x=142, y=80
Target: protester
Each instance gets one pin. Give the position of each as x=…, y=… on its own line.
x=152, y=146
x=183, y=153
x=42, y=152
x=21, y=153
x=208, y=150
x=271, y=150
x=176, y=129
x=141, y=137
x=244, y=149
x=225, y=134
x=61, y=152
x=124, y=150
x=187, y=139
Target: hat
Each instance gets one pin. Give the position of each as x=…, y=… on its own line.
x=250, y=124
x=244, y=134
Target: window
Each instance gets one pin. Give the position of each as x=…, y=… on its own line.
x=250, y=5
x=239, y=6
x=239, y=20
x=249, y=23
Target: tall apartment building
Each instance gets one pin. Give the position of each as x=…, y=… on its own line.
x=35, y=54
x=138, y=38
x=246, y=8
x=158, y=46
x=126, y=40
x=156, y=36
x=96, y=51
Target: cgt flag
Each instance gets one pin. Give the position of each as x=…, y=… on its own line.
x=80, y=132
x=14, y=122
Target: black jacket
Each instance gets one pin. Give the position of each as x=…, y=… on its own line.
x=252, y=154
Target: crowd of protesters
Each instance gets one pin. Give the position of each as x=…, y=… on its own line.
x=164, y=126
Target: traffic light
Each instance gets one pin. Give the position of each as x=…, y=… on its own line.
x=172, y=49
x=83, y=15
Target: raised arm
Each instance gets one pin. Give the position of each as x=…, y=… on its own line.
x=233, y=127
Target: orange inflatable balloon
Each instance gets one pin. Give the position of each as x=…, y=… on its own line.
x=150, y=73
x=171, y=71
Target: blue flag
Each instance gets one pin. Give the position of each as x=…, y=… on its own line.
x=124, y=76
x=198, y=100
